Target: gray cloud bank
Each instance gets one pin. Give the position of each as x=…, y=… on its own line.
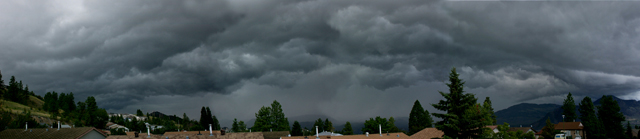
x=349, y=60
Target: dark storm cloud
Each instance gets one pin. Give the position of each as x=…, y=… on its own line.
x=319, y=56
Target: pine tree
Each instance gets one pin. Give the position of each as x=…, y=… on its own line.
x=629, y=132
x=347, y=130
x=263, y=120
x=71, y=102
x=280, y=122
x=319, y=124
x=328, y=126
x=297, y=129
x=489, y=109
x=611, y=117
x=456, y=105
x=234, y=126
x=12, y=89
x=589, y=119
x=271, y=118
x=215, y=123
x=418, y=118
x=139, y=113
x=203, y=118
x=243, y=127
x=569, y=109
x=549, y=130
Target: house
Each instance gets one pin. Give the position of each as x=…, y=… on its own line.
x=366, y=136
x=111, y=125
x=523, y=129
x=325, y=133
x=493, y=128
x=573, y=129
x=53, y=133
x=428, y=133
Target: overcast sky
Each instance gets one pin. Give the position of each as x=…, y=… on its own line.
x=349, y=60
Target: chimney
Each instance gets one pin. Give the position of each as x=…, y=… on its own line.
x=58, y=125
x=210, y=131
x=380, y=127
x=26, y=126
x=367, y=133
x=317, y=135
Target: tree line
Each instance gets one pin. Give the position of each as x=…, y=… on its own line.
x=603, y=121
x=84, y=113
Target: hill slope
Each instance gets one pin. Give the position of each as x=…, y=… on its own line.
x=524, y=113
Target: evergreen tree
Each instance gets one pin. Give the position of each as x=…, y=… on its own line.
x=12, y=89
x=139, y=113
x=62, y=103
x=569, y=109
x=280, y=122
x=589, y=119
x=489, y=109
x=549, y=130
x=263, y=120
x=215, y=123
x=456, y=105
x=297, y=129
x=629, y=132
x=204, y=121
x=319, y=124
x=243, y=126
x=271, y=118
x=391, y=125
x=71, y=102
x=347, y=130
x=234, y=126
x=54, y=107
x=372, y=125
x=328, y=126
x=418, y=118
x=611, y=117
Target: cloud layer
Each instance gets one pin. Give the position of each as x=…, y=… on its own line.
x=349, y=60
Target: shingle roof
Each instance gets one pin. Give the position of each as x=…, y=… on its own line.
x=523, y=129
x=216, y=132
x=428, y=133
x=275, y=134
x=242, y=135
x=371, y=136
x=569, y=126
x=52, y=133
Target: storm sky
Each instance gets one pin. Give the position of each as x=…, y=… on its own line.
x=348, y=60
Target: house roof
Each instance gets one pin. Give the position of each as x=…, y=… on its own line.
x=371, y=136
x=215, y=132
x=635, y=132
x=241, y=135
x=569, y=126
x=275, y=134
x=428, y=133
x=51, y=133
x=492, y=126
x=523, y=129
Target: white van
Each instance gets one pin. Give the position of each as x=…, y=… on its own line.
x=560, y=136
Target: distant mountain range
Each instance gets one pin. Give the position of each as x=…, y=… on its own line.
x=524, y=113
x=535, y=115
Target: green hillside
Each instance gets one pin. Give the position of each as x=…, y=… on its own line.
x=35, y=107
